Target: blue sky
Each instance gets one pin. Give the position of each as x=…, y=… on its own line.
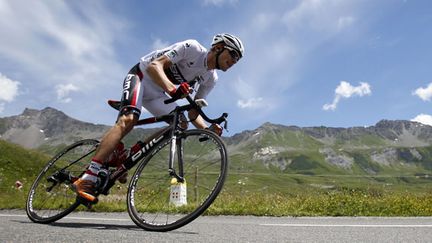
x=337, y=63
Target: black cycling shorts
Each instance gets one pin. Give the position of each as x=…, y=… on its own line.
x=131, y=101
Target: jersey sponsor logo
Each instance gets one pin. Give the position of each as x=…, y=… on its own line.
x=175, y=75
x=156, y=56
x=171, y=54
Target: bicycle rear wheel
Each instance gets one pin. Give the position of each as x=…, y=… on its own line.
x=50, y=197
x=153, y=202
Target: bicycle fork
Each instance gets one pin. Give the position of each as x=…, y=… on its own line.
x=176, y=149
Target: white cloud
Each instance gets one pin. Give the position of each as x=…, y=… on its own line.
x=8, y=88
x=159, y=44
x=244, y=89
x=344, y=22
x=252, y=103
x=8, y=91
x=423, y=118
x=322, y=16
x=281, y=37
x=346, y=90
x=263, y=21
x=249, y=97
x=63, y=92
x=61, y=41
x=219, y=2
x=424, y=93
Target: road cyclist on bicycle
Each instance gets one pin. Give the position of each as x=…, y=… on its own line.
x=174, y=70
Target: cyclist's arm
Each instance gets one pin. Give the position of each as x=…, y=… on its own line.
x=196, y=119
x=199, y=122
x=156, y=72
x=203, y=90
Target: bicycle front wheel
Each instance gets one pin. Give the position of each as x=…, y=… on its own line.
x=155, y=203
x=50, y=197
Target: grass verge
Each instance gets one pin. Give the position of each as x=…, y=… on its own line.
x=345, y=202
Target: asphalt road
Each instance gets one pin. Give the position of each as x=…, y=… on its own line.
x=117, y=227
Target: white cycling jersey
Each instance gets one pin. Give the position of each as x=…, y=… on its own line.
x=189, y=64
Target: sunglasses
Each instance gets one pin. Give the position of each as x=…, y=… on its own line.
x=234, y=54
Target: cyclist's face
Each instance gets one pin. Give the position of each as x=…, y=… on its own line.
x=227, y=59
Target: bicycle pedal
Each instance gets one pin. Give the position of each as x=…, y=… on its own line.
x=102, y=192
x=88, y=206
x=87, y=203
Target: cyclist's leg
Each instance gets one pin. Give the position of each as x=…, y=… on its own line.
x=157, y=107
x=128, y=116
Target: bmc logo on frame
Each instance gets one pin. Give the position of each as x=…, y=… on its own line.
x=127, y=85
x=146, y=148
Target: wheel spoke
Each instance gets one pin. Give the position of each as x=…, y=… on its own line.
x=48, y=206
x=156, y=204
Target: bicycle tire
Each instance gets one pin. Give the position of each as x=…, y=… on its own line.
x=50, y=197
x=205, y=168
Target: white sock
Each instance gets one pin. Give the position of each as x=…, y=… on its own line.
x=92, y=171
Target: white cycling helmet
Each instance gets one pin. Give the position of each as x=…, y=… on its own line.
x=231, y=42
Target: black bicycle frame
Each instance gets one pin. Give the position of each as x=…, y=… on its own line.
x=142, y=149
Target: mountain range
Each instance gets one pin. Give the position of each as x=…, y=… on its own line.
x=386, y=147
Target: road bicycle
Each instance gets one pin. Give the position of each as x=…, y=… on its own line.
x=179, y=173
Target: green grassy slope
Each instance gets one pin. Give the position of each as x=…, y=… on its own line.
x=307, y=186
x=17, y=164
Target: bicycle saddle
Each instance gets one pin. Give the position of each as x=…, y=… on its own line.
x=114, y=104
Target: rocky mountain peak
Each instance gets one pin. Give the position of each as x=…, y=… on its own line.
x=395, y=133
x=44, y=119
x=49, y=124
x=394, y=124
x=35, y=127
x=289, y=148
x=30, y=112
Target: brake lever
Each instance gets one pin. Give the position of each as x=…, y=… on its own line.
x=225, y=126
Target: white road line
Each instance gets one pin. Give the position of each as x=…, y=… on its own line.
x=353, y=225
x=270, y=225
x=12, y=215
x=102, y=219
x=69, y=217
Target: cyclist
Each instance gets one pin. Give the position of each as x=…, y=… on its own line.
x=173, y=70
